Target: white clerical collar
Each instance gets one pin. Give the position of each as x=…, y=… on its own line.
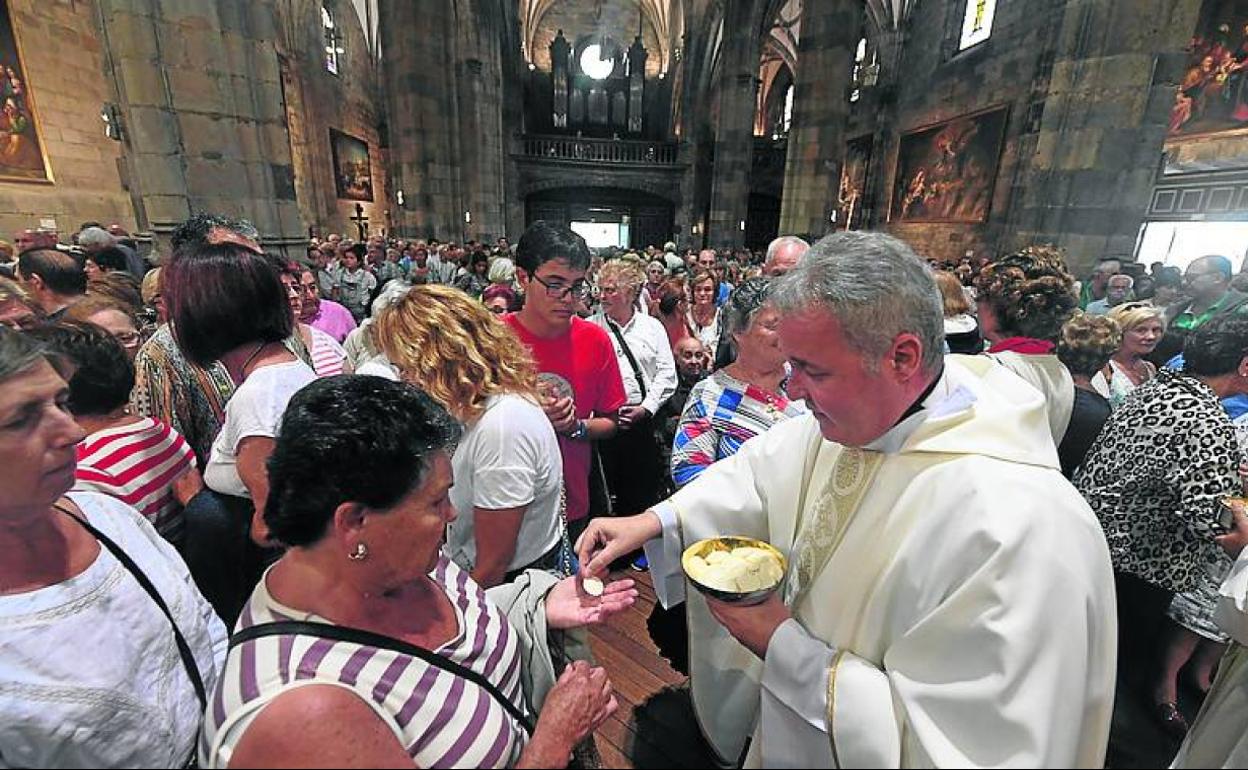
x=946, y=398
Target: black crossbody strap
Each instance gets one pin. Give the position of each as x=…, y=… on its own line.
x=381, y=642
x=184, y=649
x=641, y=381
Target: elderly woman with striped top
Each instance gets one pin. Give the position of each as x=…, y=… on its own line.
x=364, y=645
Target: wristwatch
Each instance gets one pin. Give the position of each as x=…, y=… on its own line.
x=580, y=432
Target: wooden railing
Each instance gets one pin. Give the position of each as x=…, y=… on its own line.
x=624, y=151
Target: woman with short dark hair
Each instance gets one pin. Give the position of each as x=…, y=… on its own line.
x=365, y=573
x=227, y=302
x=1155, y=478
x=137, y=460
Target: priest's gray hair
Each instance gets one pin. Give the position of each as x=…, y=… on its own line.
x=875, y=286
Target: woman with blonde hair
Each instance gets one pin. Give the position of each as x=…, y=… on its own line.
x=1142, y=328
x=507, y=467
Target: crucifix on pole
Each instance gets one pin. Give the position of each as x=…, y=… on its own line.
x=361, y=221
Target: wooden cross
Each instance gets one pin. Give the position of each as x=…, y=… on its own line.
x=361, y=221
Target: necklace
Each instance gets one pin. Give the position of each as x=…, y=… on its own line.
x=252, y=357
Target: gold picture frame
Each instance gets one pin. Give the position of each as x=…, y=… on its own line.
x=23, y=150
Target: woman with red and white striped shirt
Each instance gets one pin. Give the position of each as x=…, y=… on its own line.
x=138, y=460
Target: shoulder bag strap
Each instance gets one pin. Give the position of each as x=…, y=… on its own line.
x=628, y=353
x=184, y=649
x=370, y=639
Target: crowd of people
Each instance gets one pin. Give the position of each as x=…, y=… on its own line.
x=347, y=509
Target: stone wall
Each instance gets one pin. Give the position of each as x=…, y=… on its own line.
x=68, y=86
x=934, y=83
x=316, y=101
x=200, y=92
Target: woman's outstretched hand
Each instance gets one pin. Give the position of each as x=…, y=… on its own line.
x=569, y=606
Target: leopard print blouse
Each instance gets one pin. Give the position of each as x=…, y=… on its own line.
x=1155, y=477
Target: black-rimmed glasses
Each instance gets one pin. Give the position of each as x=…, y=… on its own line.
x=578, y=289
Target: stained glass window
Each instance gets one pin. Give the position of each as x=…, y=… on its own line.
x=977, y=22
x=333, y=40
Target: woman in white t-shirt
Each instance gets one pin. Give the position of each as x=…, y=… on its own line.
x=226, y=303
x=507, y=468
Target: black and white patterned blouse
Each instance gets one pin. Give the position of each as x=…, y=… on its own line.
x=1155, y=477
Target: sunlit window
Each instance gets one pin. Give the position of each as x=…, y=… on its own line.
x=860, y=60
x=977, y=23
x=333, y=40
x=593, y=63
x=787, y=120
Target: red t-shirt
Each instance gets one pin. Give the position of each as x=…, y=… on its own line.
x=585, y=359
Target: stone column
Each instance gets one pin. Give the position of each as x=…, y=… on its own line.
x=200, y=93
x=420, y=84
x=1103, y=126
x=829, y=35
x=734, y=132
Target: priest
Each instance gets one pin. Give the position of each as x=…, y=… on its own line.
x=949, y=599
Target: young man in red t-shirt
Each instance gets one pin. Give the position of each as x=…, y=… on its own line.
x=579, y=376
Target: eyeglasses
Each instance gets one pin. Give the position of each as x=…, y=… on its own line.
x=578, y=289
x=128, y=339
x=309, y=288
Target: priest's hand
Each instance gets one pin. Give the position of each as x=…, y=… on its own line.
x=752, y=626
x=607, y=539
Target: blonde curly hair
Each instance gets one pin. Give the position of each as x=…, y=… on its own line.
x=1030, y=292
x=448, y=344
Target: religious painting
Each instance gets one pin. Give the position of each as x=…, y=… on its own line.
x=1212, y=96
x=854, y=183
x=352, y=172
x=23, y=156
x=946, y=172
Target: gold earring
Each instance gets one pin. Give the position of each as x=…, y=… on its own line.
x=359, y=554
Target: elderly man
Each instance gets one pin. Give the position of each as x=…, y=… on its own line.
x=93, y=240
x=783, y=254
x=1095, y=288
x=949, y=600
x=34, y=239
x=1117, y=291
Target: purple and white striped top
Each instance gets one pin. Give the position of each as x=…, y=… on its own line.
x=441, y=719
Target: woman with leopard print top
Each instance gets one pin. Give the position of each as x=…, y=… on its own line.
x=1156, y=477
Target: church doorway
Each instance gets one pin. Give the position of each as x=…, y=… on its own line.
x=606, y=216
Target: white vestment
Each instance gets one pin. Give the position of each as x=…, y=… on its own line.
x=959, y=611
x=1219, y=738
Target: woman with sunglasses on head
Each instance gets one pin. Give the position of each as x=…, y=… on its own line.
x=1142, y=328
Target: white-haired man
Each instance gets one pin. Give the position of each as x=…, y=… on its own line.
x=783, y=254
x=949, y=600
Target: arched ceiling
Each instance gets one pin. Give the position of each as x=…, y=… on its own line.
x=664, y=15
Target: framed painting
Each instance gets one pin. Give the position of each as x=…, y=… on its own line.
x=1212, y=97
x=853, y=188
x=353, y=174
x=946, y=172
x=23, y=154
